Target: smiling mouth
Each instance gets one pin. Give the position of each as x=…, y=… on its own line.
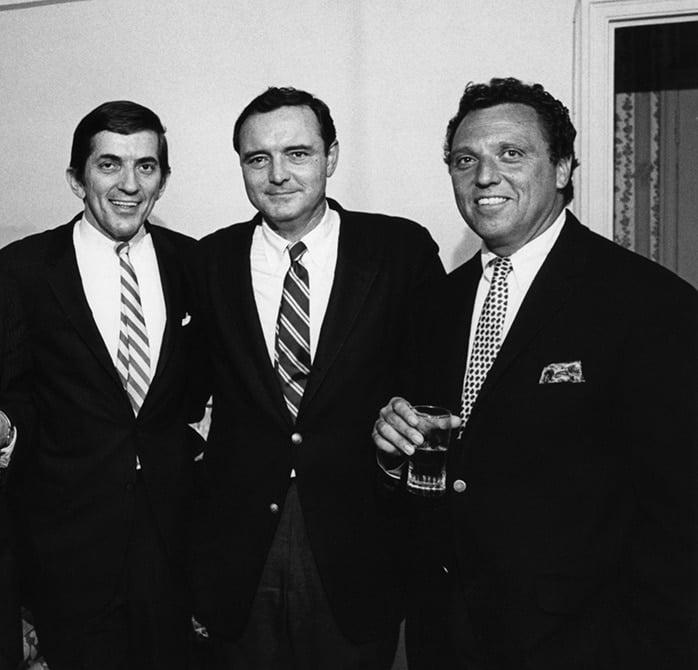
x=124, y=204
x=490, y=200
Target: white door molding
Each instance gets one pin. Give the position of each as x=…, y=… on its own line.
x=595, y=22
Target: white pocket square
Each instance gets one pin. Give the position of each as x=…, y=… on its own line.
x=562, y=373
x=186, y=319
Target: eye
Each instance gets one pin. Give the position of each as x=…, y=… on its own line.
x=462, y=162
x=298, y=155
x=148, y=168
x=257, y=161
x=512, y=154
x=107, y=166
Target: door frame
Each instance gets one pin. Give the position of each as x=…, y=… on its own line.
x=595, y=23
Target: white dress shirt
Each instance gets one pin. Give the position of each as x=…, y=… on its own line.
x=100, y=272
x=525, y=264
x=270, y=260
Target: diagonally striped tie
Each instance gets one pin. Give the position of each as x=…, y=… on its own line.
x=293, y=331
x=133, y=353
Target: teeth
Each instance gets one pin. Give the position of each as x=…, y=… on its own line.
x=492, y=200
x=124, y=203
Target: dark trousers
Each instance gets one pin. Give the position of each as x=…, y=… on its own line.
x=145, y=626
x=291, y=624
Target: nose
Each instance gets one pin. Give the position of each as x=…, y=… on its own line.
x=278, y=173
x=487, y=172
x=129, y=182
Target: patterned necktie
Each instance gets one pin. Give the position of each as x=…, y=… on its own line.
x=133, y=354
x=488, y=336
x=292, y=350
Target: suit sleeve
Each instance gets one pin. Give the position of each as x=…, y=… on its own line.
x=427, y=282
x=426, y=275
x=198, y=362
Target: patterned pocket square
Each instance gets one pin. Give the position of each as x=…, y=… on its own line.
x=561, y=373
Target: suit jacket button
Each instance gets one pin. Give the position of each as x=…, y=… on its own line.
x=459, y=486
x=274, y=508
x=296, y=438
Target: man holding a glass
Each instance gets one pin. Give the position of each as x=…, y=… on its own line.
x=570, y=366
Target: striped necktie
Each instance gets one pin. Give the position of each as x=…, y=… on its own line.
x=292, y=350
x=488, y=336
x=133, y=354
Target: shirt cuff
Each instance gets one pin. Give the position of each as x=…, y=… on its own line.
x=395, y=468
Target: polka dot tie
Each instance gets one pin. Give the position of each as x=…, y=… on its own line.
x=488, y=336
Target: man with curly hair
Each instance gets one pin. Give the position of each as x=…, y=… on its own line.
x=569, y=522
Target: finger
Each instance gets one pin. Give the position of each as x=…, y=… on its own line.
x=385, y=447
x=402, y=408
x=392, y=440
x=404, y=429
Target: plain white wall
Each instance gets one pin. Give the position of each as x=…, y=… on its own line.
x=392, y=72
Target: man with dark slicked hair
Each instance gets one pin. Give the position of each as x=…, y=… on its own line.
x=102, y=487
x=306, y=318
x=569, y=523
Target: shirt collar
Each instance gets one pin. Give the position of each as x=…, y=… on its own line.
x=526, y=261
x=318, y=243
x=95, y=240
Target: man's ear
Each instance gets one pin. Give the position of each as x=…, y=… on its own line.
x=163, y=184
x=75, y=184
x=563, y=170
x=332, y=158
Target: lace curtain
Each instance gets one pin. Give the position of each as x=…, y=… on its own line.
x=637, y=183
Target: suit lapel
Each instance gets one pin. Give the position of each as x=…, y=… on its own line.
x=357, y=266
x=169, y=268
x=548, y=293
x=463, y=284
x=233, y=299
x=66, y=284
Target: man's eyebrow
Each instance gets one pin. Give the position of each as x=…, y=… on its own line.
x=118, y=159
x=254, y=152
x=110, y=157
x=292, y=147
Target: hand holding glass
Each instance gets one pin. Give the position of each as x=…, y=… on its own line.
x=426, y=470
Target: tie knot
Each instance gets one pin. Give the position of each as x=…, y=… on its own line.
x=122, y=250
x=501, y=268
x=296, y=251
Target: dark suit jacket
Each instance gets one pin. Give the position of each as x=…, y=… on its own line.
x=14, y=402
x=75, y=494
x=573, y=543
x=362, y=353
